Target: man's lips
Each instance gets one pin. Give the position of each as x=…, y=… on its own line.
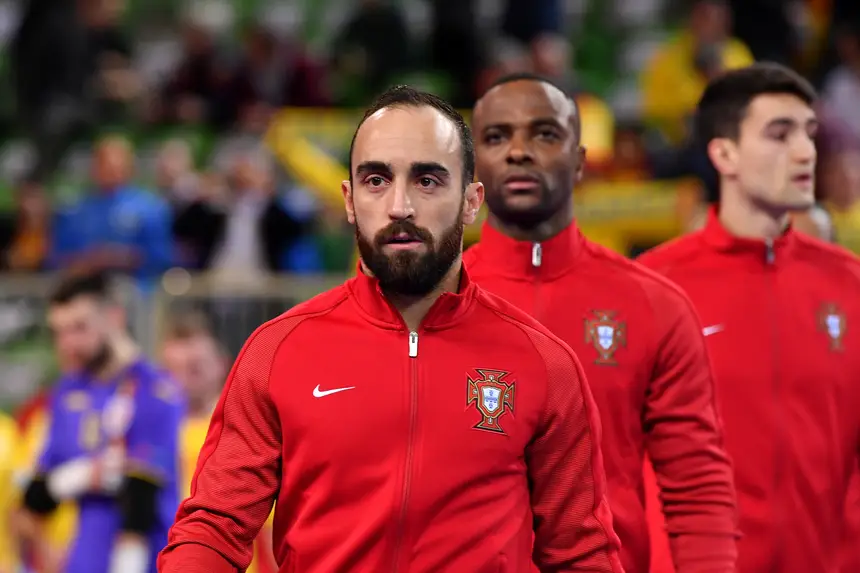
x=403, y=241
x=521, y=182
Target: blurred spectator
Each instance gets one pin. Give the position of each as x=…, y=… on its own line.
x=629, y=156
x=109, y=57
x=837, y=174
x=194, y=239
x=25, y=232
x=192, y=354
x=767, y=28
x=193, y=94
x=456, y=47
x=533, y=41
x=538, y=27
x=243, y=229
x=841, y=92
x=676, y=76
x=369, y=50
x=118, y=226
x=837, y=178
x=528, y=20
x=175, y=178
x=71, y=64
x=196, y=358
x=8, y=440
x=272, y=74
x=50, y=77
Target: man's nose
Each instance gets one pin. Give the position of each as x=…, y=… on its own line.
x=805, y=151
x=519, y=151
x=401, y=203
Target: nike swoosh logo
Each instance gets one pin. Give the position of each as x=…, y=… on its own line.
x=709, y=330
x=320, y=393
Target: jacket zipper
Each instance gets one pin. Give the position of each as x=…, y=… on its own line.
x=537, y=260
x=776, y=388
x=410, y=446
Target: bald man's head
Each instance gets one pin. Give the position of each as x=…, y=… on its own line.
x=527, y=149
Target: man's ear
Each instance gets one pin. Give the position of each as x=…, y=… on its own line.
x=473, y=202
x=723, y=153
x=346, y=189
x=580, y=162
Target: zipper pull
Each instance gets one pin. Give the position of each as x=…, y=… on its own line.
x=537, y=255
x=413, y=344
x=770, y=256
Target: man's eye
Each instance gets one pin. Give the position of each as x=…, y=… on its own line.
x=492, y=138
x=427, y=182
x=375, y=181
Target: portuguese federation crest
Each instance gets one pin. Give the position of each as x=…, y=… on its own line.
x=493, y=397
x=606, y=335
x=831, y=321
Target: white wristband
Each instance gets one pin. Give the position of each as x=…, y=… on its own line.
x=71, y=479
x=129, y=556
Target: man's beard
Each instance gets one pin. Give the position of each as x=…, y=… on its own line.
x=409, y=273
x=98, y=361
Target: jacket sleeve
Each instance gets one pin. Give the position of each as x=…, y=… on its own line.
x=573, y=524
x=238, y=470
x=684, y=443
x=850, y=554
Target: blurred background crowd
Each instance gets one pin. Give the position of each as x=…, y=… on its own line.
x=197, y=146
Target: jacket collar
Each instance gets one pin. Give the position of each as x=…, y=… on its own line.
x=767, y=252
x=548, y=259
x=448, y=309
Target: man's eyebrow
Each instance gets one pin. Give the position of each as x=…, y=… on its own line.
x=428, y=168
x=781, y=122
x=373, y=167
x=497, y=125
x=546, y=121
x=537, y=122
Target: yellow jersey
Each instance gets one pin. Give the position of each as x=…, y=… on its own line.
x=61, y=526
x=193, y=436
x=671, y=85
x=8, y=438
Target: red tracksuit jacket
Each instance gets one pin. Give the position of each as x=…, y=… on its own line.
x=644, y=355
x=440, y=450
x=782, y=323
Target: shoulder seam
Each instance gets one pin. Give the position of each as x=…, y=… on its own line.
x=522, y=326
x=301, y=317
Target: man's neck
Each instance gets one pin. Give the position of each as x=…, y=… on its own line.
x=544, y=231
x=123, y=353
x=414, y=309
x=742, y=218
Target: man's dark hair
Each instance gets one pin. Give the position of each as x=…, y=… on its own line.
x=405, y=96
x=726, y=99
x=96, y=285
x=532, y=77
